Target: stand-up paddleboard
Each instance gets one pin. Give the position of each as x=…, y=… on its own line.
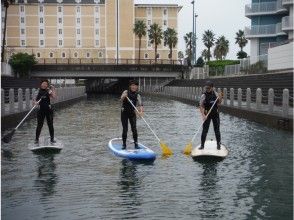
x=141, y=154
x=45, y=146
x=210, y=151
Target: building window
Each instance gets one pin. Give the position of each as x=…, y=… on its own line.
x=51, y=55
x=60, y=20
x=78, y=20
x=165, y=22
x=41, y=9
x=63, y=55
x=41, y=20
x=22, y=31
x=75, y=54
x=78, y=9
x=60, y=42
x=97, y=20
x=22, y=8
x=96, y=9
x=97, y=43
x=41, y=31
x=78, y=31
x=87, y=54
x=165, y=11
x=100, y=54
x=38, y=55
x=59, y=9
x=78, y=42
x=97, y=31
x=146, y=56
x=41, y=42
x=59, y=31
x=23, y=42
x=22, y=20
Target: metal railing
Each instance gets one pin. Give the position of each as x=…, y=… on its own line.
x=264, y=8
x=270, y=29
x=287, y=23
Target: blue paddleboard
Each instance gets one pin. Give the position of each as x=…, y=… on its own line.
x=143, y=153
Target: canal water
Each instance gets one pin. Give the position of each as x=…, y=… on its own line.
x=85, y=181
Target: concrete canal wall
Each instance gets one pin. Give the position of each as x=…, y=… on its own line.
x=279, y=116
x=15, y=107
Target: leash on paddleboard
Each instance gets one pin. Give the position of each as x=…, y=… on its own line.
x=7, y=138
x=188, y=148
x=166, y=151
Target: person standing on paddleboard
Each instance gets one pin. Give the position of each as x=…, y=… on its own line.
x=45, y=93
x=206, y=102
x=128, y=112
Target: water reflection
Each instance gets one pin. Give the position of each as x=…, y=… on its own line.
x=47, y=178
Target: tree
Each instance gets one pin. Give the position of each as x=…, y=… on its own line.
x=155, y=36
x=200, y=62
x=140, y=30
x=22, y=63
x=205, y=54
x=241, y=41
x=6, y=4
x=208, y=40
x=171, y=39
x=189, y=45
x=221, y=48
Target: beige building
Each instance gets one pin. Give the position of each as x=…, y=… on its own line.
x=84, y=29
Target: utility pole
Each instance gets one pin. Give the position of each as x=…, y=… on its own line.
x=193, y=49
x=195, y=40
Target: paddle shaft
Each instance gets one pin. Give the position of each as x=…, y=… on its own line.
x=28, y=114
x=144, y=120
x=204, y=120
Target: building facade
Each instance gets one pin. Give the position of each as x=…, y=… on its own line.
x=271, y=25
x=72, y=30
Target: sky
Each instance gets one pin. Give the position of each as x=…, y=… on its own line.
x=223, y=17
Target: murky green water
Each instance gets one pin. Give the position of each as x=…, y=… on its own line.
x=85, y=181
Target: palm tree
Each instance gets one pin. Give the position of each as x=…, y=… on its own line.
x=155, y=36
x=170, y=39
x=205, y=54
x=241, y=39
x=189, y=41
x=221, y=48
x=208, y=40
x=6, y=4
x=140, y=30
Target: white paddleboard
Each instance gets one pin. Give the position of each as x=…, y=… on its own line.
x=45, y=146
x=210, y=150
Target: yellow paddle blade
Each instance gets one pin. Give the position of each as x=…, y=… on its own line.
x=188, y=149
x=166, y=151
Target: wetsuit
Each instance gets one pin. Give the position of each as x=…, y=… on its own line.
x=45, y=110
x=128, y=114
x=206, y=101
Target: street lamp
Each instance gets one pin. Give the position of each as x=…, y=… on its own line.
x=193, y=54
x=195, y=45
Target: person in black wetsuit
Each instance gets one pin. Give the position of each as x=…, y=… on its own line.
x=45, y=93
x=206, y=101
x=128, y=113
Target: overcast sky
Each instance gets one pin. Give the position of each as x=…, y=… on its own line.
x=223, y=17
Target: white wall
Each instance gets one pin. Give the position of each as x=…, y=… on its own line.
x=254, y=47
x=6, y=70
x=280, y=57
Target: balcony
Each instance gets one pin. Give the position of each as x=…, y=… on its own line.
x=265, y=8
x=271, y=30
x=287, y=23
x=287, y=2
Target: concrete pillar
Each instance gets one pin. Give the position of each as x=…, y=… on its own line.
x=2, y=102
x=232, y=94
x=27, y=94
x=11, y=100
x=144, y=84
x=33, y=96
x=258, y=98
x=239, y=97
x=270, y=103
x=285, y=102
x=20, y=99
x=248, y=98
x=225, y=96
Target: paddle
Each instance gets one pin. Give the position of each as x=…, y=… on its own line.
x=188, y=148
x=7, y=138
x=166, y=151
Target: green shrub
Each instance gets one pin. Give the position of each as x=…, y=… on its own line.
x=22, y=63
x=217, y=67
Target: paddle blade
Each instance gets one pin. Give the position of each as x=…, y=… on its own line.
x=188, y=149
x=7, y=137
x=166, y=151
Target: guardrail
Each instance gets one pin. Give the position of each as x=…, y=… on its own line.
x=11, y=105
